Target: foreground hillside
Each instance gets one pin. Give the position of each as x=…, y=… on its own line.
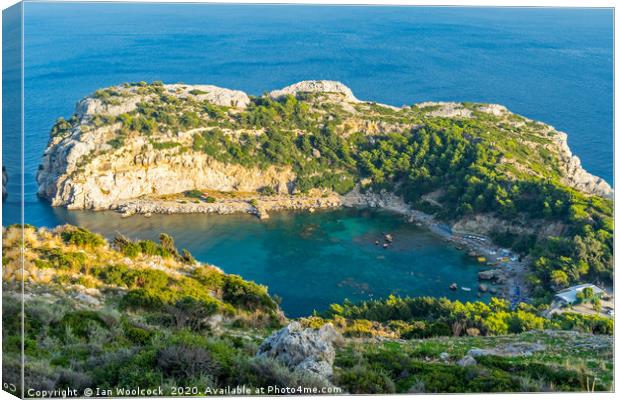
x=139, y=313
x=155, y=148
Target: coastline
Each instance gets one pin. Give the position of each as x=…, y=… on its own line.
x=507, y=274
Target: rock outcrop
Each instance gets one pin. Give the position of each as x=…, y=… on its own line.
x=574, y=174
x=316, y=87
x=519, y=349
x=108, y=181
x=107, y=158
x=303, y=349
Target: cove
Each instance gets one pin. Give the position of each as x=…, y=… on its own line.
x=309, y=260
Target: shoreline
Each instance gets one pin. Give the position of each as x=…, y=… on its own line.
x=506, y=274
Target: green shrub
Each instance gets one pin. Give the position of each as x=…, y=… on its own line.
x=183, y=362
x=147, y=298
x=586, y=323
x=210, y=278
x=164, y=145
x=64, y=260
x=190, y=312
x=244, y=294
x=363, y=380
x=137, y=335
x=82, y=237
x=78, y=322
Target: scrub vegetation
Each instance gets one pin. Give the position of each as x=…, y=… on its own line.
x=142, y=313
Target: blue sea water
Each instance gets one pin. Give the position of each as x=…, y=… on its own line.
x=554, y=65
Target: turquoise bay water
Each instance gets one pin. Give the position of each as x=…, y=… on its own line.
x=555, y=65
x=310, y=260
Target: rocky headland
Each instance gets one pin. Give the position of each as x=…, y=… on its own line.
x=472, y=168
x=95, y=162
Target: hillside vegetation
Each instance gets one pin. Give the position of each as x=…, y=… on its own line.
x=141, y=313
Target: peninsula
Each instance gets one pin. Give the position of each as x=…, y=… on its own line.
x=478, y=168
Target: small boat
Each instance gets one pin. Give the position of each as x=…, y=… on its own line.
x=466, y=289
x=453, y=286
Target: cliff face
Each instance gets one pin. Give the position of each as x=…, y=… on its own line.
x=109, y=153
x=136, y=171
x=574, y=174
x=82, y=170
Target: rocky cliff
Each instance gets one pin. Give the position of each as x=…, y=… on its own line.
x=136, y=140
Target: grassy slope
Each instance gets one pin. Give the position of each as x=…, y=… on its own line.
x=570, y=362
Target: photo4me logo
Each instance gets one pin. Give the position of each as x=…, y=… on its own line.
x=270, y=390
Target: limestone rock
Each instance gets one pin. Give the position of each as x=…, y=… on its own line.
x=320, y=368
x=213, y=94
x=303, y=349
x=87, y=299
x=446, y=110
x=574, y=174
x=493, y=109
x=316, y=87
x=495, y=275
x=91, y=106
x=520, y=349
x=467, y=361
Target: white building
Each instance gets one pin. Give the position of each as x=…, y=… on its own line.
x=569, y=295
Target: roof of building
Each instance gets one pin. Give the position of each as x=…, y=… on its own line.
x=569, y=295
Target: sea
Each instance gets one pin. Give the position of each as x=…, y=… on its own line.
x=548, y=64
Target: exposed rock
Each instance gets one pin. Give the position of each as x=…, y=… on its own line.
x=144, y=172
x=90, y=106
x=316, y=87
x=484, y=224
x=213, y=94
x=493, y=109
x=496, y=275
x=467, y=361
x=521, y=349
x=304, y=349
x=444, y=356
x=574, y=174
x=87, y=299
x=321, y=368
x=239, y=204
x=446, y=110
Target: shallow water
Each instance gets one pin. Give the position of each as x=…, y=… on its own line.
x=310, y=260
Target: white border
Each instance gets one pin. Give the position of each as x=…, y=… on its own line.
x=478, y=3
